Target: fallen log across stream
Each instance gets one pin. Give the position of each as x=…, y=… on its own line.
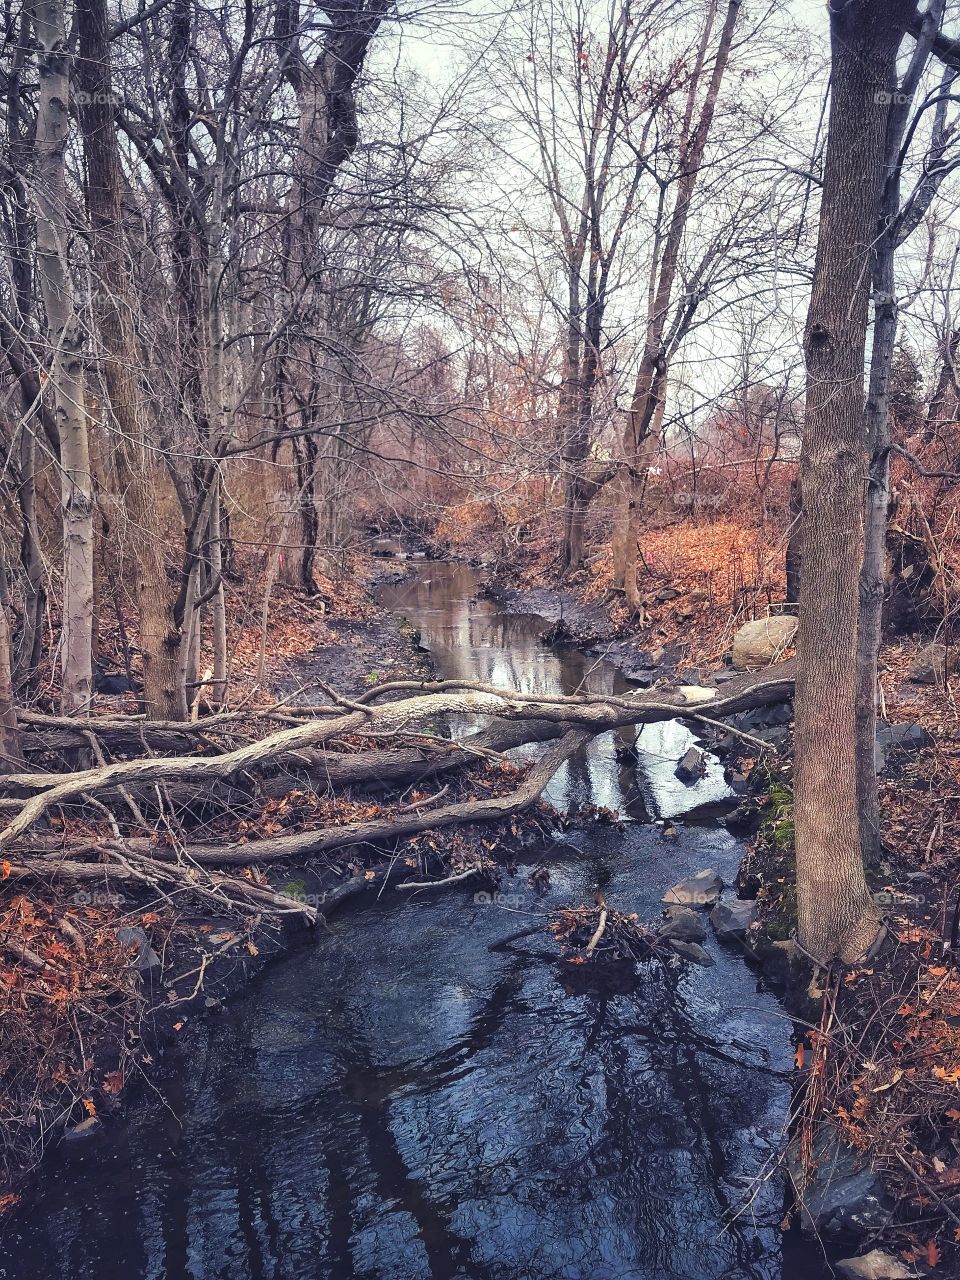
x=331, y=750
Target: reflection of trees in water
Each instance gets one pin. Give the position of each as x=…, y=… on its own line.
x=634, y=1081
x=551, y=1136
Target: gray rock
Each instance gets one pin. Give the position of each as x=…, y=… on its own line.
x=682, y=925
x=759, y=643
x=875, y=1265
x=721, y=677
x=732, y=919
x=701, y=890
x=769, y=717
x=897, y=741
x=692, y=766
x=933, y=664
x=691, y=951
x=143, y=956
x=778, y=737
x=842, y=1197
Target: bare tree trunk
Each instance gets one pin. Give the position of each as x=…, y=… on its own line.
x=218, y=611
x=837, y=917
x=945, y=390
x=65, y=337
x=11, y=755
x=873, y=575
x=27, y=660
x=642, y=430
x=149, y=498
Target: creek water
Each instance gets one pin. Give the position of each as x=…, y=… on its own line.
x=397, y=1101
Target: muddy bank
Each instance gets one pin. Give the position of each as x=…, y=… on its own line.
x=587, y=625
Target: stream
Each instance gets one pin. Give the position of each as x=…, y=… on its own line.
x=398, y=1102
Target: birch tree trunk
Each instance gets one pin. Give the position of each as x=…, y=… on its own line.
x=837, y=918
x=65, y=346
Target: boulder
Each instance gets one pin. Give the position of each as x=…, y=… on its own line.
x=759, y=643
x=692, y=766
x=933, y=664
x=842, y=1196
x=682, y=925
x=733, y=919
x=142, y=955
x=701, y=890
x=875, y=1265
x=897, y=741
x=691, y=951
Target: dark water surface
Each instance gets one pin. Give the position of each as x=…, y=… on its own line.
x=398, y=1102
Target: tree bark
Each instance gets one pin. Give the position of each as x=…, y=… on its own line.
x=11, y=755
x=837, y=918
x=794, y=556
x=150, y=501
x=65, y=353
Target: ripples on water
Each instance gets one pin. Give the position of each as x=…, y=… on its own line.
x=398, y=1102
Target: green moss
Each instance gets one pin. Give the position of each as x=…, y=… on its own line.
x=775, y=841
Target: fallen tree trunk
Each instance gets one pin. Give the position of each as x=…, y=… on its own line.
x=595, y=713
x=380, y=830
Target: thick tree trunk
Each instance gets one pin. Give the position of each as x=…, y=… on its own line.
x=149, y=498
x=65, y=348
x=836, y=914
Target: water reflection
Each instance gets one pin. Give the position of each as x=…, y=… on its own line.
x=400, y=1102
x=469, y=638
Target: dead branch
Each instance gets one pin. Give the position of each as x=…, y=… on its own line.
x=593, y=713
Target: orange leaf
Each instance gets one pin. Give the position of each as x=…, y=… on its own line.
x=113, y=1082
x=798, y=1057
x=933, y=1254
x=5, y=868
x=88, y=1106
